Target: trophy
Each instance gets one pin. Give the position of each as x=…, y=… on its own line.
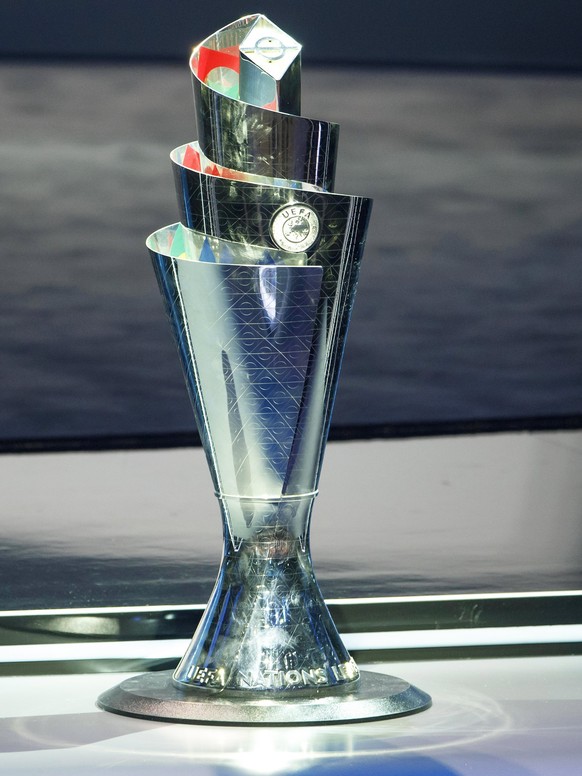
x=258, y=280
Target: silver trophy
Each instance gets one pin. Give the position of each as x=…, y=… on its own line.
x=258, y=280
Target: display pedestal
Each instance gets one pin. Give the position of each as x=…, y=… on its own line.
x=156, y=696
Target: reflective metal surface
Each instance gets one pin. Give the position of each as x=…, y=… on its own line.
x=270, y=68
x=255, y=139
x=260, y=329
x=190, y=156
x=259, y=311
x=155, y=696
x=247, y=337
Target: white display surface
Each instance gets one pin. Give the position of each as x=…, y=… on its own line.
x=491, y=717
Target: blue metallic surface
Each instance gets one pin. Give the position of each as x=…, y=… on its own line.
x=252, y=341
x=254, y=139
x=260, y=328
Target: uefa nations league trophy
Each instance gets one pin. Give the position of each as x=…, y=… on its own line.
x=258, y=281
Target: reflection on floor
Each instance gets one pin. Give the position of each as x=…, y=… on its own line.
x=512, y=717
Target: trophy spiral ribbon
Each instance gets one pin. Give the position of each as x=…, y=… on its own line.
x=258, y=281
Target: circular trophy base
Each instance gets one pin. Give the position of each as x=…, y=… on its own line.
x=155, y=696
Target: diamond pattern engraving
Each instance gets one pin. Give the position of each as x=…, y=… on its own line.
x=250, y=368
x=241, y=211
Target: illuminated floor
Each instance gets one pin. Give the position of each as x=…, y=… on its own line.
x=517, y=716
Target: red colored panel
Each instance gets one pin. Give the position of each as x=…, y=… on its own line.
x=208, y=59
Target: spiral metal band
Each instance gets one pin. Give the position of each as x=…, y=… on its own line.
x=254, y=139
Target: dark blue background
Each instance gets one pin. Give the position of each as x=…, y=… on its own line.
x=468, y=312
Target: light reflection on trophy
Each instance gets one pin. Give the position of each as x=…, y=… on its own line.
x=258, y=280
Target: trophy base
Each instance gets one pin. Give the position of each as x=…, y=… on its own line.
x=155, y=696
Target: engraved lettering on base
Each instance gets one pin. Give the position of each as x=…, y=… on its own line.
x=202, y=676
x=295, y=678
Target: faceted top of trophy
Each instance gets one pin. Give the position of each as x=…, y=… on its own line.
x=270, y=48
x=255, y=61
x=270, y=68
x=247, y=95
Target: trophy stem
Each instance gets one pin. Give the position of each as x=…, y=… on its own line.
x=266, y=628
x=266, y=651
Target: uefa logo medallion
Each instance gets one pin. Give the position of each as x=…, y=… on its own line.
x=295, y=228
